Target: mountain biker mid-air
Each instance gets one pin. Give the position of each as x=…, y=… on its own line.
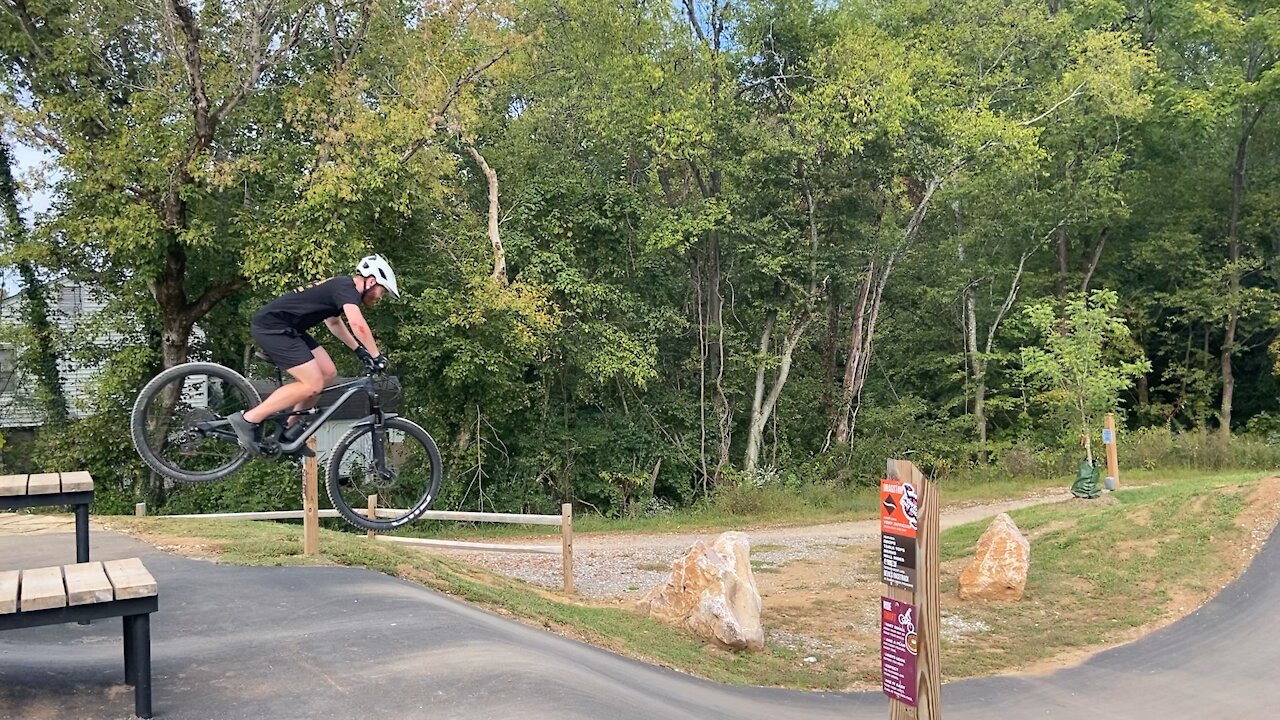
x=280, y=329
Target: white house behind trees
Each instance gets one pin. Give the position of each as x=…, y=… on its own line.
x=71, y=305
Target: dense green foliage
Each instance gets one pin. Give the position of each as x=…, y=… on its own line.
x=734, y=243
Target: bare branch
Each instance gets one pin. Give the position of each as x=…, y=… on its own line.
x=693, y=21
x=1093, y=262
x=1072, y=96
x=184, y=22
x=18, y=9
x=438, y=116
x=48, y=139
x=213, y=296
x=259, y=62
x=499, y=255
x=1014, y=286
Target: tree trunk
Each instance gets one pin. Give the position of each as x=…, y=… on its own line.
x=829, y=358
x=757, y=399
x=705, y=272
x=854, y=360
x=867, y=336
x=759, y=419
x=1248, y=120
x=1062, y=244
x=1093, y=261
x=499, y=274
x=716, y=351
x=977, y=367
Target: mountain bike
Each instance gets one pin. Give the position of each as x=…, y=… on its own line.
x=180, y=428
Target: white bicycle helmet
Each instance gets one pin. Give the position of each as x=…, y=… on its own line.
x=376, y=267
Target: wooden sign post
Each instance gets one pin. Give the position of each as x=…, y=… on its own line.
x=909, y=608
x=1109, y=441
x=310, y=503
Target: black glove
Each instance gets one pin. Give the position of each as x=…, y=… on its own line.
x=371, y=364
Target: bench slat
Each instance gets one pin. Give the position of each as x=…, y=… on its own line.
x=13, y=484
x=42, y=589
x=87, y=583
x=129, y=578
x=44, y=484
x=8, y=592
x=79, y=481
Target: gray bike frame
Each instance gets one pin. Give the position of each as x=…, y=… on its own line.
x=355, y=386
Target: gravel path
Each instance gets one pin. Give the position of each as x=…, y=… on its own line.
x=626, y=565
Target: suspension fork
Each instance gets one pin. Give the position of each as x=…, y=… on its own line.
x=378, y=434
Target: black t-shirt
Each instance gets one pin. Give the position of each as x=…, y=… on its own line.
x=308, y=305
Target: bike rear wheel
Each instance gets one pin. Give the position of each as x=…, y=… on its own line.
x=179, y=424
x=407, y=488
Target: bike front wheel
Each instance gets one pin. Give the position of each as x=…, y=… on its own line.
x=406, y=481
x=179, y=423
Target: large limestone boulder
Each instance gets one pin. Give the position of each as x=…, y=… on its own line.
x=712, y=592
x=999, y=568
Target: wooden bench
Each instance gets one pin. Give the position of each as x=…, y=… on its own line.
x=52, y=489
x=89, y=591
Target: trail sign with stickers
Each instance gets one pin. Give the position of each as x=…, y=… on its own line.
x=899, y=517
x=909, y=608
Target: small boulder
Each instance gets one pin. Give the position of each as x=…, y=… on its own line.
x=999, y=568
x=712, y=592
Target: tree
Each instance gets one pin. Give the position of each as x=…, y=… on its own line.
x=1071, y=368
x=41, y=341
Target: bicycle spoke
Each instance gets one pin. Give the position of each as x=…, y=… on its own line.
x=174, y=415
x=404, y=483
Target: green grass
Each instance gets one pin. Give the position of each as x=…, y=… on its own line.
x=1099, y=569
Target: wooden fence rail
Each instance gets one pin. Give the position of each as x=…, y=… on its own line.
x=564, y=520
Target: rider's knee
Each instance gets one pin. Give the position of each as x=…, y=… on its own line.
x=314, y=387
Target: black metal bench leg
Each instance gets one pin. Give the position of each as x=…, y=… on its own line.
x=130, y=668
x=82, y=538
x=138, y=670
x=82, y=533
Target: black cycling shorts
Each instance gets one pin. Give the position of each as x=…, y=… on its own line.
x=287, y=348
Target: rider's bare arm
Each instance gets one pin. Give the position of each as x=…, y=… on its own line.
x=360, y=328
x=340, y=331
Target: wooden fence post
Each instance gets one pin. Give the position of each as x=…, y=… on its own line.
x=310, y=504
x=373, y=512
x=1109, y=440
x=566, y=546
x=910, y=619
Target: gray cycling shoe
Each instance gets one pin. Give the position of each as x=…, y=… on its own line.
x=247, y=433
